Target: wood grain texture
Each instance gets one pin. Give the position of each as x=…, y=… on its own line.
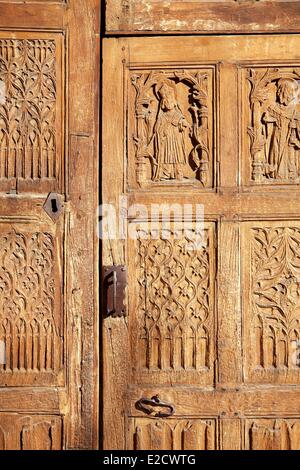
x=115, y=331
x=29, y=432
x=43, y=16
x=271, y=341
x=161, y=380
x=268, y=434
x=229, y=321
x=31, y=305
x=173, y=295
x=228, y=403
x=189, y=95
x=49, y=122
x=31, y=115
x=179, y=16
x=182, y=434
x=82, y=358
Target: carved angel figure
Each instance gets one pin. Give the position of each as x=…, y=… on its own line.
x=168, y=146
x=282, y=132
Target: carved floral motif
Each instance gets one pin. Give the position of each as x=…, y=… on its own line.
x=175, y=305
x=28, y=112
x=276, y=297
x=27, y=298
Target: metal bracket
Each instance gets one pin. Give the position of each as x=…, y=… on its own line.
x=114, y=290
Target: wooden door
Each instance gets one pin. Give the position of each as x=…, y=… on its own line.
x=48, y=154
x=206, y=356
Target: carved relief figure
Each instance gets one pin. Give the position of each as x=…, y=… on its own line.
x=282, y=131
x=169, y=146
x=174, y=140
x=275, y=129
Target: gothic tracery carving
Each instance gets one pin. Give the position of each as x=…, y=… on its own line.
x=178, y=434
x=175, y=320
x=270, y=434
x=276, y=297
x=30, y=432
x=27, y=301
x=28, y=139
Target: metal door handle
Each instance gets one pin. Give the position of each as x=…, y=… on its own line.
x=115, y=280
x=114, y=289
x=147, y=405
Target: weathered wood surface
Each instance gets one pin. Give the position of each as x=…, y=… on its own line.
x=194, y=16
x=49, y=259
x=212, y=332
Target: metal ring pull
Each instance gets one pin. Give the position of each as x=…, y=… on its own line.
x=146, y=405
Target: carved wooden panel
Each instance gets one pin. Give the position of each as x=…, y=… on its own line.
x=213, y=331
x=174, y=295
x=171, y=127
x=272, y=302
x=31, y=314
x=272, y=149
x=29, y=432
x=272, y=434
x=172, y=434
x=31, y=110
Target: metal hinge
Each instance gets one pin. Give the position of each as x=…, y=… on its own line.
x=114, y=290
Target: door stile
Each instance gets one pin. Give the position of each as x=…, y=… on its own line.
x=116, y=361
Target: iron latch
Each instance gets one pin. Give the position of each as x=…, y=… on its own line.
x=155, y=406
x=114, y=290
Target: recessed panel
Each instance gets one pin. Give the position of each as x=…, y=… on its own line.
x=272, y=434
x=172, y=303
x=30, y=432
x=31, y=312
x=173, y=434
x=171, y=127
x=31, y=112
x=271, y=139
x=271, y=286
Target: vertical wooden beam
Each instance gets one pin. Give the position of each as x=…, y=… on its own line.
x=116, y=362
x=229, y=313
x=82, y=25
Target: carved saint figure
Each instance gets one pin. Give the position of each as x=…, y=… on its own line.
x=169, y=153
x=282, y=128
